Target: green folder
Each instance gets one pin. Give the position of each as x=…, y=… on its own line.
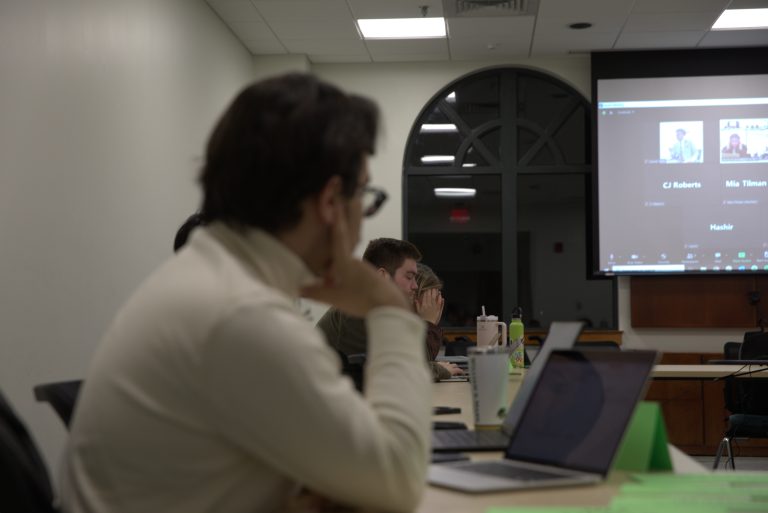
x=644, y=447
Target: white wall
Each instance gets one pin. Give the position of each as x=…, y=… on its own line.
x=403, y=89
x=104, y=109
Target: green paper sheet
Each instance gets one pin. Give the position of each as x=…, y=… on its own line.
x=548, y=509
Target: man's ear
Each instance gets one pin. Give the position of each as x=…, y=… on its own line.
x=328, y=199
x=383, y=272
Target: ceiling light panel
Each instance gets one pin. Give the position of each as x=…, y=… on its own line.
x=742, y=19
x=402, y=28
x=454, y=192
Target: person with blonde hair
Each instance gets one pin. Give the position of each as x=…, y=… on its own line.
x=428, y=303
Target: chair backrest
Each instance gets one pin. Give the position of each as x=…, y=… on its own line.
x=61, y=395
x=755, y=346
x=745, y=396
x=24, y=482
x=731, y=350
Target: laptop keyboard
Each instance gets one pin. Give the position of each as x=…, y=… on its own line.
x=510, y=472
x=463, y=437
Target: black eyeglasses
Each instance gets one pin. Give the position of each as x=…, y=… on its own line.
x=373, y=199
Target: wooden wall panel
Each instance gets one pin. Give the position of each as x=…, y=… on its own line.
x=761, y=285
x=692, y=301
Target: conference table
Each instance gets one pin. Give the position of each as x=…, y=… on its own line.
x=458, y=394
x=710, y=371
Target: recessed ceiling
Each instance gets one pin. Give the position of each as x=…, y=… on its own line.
x=325, y=30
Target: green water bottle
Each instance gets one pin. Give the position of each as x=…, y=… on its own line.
x=517, y=339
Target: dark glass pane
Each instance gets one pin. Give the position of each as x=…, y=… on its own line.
x=525, y=141
x=476, y=100
x=541, y=101
x=531, y=151
x=552, y=254
x=543, y=157
x=571, y=138
x=545, y=105
x=492, y=140
x=460, y=238
x=436, y=137
x=473, y=158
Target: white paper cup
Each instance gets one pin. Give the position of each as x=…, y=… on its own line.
x=488, y=373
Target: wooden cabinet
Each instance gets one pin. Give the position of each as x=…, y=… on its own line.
x=682, y=403
x=694, y=411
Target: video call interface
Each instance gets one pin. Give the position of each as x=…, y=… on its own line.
x=683, y=174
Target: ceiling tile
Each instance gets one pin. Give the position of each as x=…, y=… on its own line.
x=300, y=28
x=735, y=38
x=670, y=22
x=394, y=8
x=265, y=47
x=251, y=30
x=328, y=59
x=239, y=10
x=408, y=50
x=326, y=46
x=553, y=25
x=642, y=40
x=478, y=48
x=572, y=41
x=519, y=26
x=584, y=8
x=668, y=6
x=302, y=9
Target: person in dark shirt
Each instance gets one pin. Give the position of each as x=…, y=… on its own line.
x=395, y=260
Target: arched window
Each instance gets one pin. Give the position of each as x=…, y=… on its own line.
x=497, y=188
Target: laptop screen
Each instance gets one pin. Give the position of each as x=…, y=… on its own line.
x=577, y=413
x=562, y=335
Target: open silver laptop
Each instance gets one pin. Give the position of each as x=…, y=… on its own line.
x=571, y=426
x=562, y=335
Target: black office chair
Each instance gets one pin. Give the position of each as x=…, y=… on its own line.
x=61, y=395
x=746, y=399
x=459, y=346
x=24, y=482
x=755, y=345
